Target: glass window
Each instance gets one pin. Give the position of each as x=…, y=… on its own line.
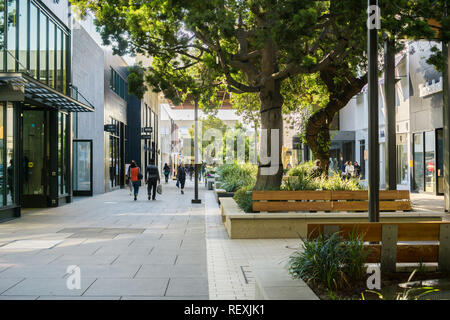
x=51, y=54
x=64, y=63
x=23, y=32
x=65, y=163
x=43, y=44
x=2, y=154
x=11, y=34
x=402, y=159
x=58, y=59
x=2, y=34
x=34, y=16
x=10, y=172
x=430, y=181
x=82, y=165
x=418, y=162
x=62, y=154
x=440, y=160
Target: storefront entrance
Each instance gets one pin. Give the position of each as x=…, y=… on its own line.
x=35, y=158
x=428, y=161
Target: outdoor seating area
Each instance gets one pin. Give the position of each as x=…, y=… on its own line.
x=395, y=242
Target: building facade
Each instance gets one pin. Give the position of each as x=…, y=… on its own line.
x=36, y=104
x=419, y=123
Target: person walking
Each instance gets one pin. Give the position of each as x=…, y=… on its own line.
x=166, y=172
x=191, y=171
x=135, y=177
x=130, y=184
x=181, y=177
x=152, y=179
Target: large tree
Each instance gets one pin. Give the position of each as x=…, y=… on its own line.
x=249, y=46
x=345, y=77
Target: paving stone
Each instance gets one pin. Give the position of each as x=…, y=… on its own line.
x=128, y=287
x=47, y=287
x=5, y=284
x=187, y=287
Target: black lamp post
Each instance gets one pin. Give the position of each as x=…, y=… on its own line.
x=373, y=25
x=196, y=199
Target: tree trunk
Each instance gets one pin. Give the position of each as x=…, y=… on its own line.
x=271, y=118
x=318, y=125
x=318, y=136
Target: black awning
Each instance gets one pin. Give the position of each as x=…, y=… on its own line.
x=37, y=91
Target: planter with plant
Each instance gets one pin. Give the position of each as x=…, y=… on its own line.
x=331, y=265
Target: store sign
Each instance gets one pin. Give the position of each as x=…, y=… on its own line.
x=428, y=89
x=147, y=129
x=110, y=127
x=146, y=137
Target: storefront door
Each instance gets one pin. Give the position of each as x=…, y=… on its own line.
x=34, y=158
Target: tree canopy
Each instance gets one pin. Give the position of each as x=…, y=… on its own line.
x=253, y=46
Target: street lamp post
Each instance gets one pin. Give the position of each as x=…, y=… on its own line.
x=374, y=151
x=389, y=89
x=196, y=199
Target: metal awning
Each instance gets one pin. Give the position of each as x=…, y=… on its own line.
x=40, y=92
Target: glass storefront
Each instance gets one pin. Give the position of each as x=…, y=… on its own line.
x=7, y=155
x=402, y=159
x=62, y=154
x=430, y=181
x=115, y=155
x=428, y=161
x=418, y=162
x=82, y=167
x=440, y=160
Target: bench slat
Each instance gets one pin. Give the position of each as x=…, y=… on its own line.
x=364, y=205
x=364, y=195
x=291, y=195
x=367, y=231
x=406, y=253
x=292, y=206
x=407, y=231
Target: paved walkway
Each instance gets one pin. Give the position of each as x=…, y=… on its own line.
x=163, y=249
x=125, y=249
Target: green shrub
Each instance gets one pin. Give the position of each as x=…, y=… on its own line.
x=300, y=179
x=302, y=169
x=243, y=198
x=235, y=176
x=335, y=183
x=330, y=261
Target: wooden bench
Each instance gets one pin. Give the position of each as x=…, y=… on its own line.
x=389, y=252
x=390, y=200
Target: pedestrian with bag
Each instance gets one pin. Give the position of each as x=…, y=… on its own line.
x=166, y=172
x=135, y=177
x=181, y=177
x=152, y=179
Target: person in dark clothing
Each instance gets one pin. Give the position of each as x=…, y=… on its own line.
x=316, y=170
x=357, y=169
x=191, y=172
x=166, y=172
x=181, y=177
x=152, y=179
